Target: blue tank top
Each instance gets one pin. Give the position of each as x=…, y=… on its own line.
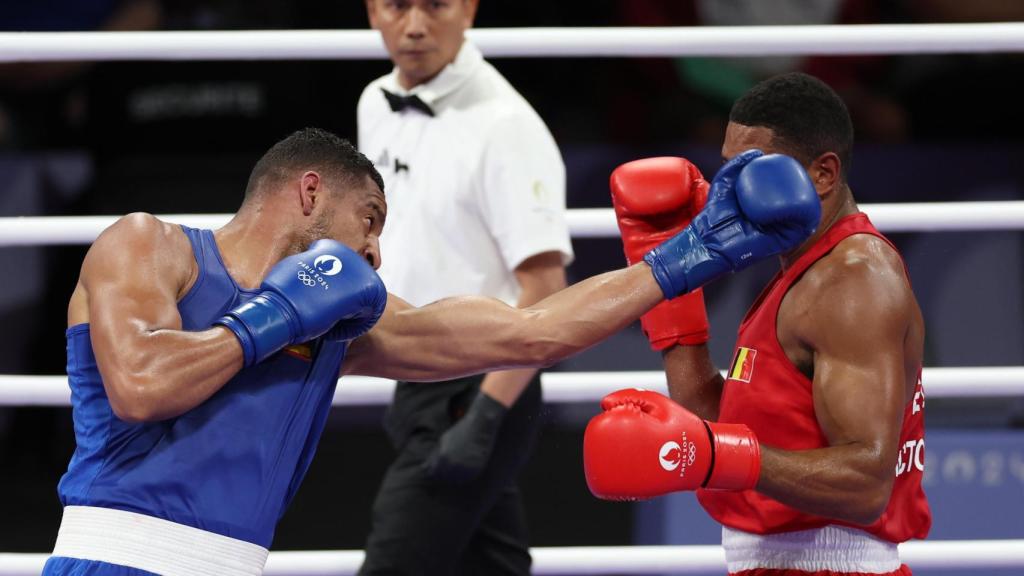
x=230, y=465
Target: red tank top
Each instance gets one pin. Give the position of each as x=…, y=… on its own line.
x=765, y=391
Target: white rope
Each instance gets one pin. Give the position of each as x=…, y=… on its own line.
x=518, y=42
x=58, y=230
x=966, y=382
x=583, y=222
x=889, y=217
x=978, y=554
x=559, y=387
x=973, y=554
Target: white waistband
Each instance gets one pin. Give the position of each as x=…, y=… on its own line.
x=148, y=543
x=835, y=548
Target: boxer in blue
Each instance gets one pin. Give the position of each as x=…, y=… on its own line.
x=192, y=432
x=202, y=364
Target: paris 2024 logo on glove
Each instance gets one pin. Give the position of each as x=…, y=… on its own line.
x=324, y=265
x=671, y=455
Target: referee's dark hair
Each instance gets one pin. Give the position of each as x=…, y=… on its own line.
x=311, y=149
x=807, y=117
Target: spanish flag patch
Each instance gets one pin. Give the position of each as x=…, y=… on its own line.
x=743, y=364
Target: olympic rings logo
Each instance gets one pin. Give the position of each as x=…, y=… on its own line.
x=672, y=454
x=306, y=279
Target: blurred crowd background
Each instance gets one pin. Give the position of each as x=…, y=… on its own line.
x=82, y=138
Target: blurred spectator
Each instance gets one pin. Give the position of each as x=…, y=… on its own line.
x=709, y=85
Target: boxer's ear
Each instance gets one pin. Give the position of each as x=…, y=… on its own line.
x=310, y=188
x=825, y=172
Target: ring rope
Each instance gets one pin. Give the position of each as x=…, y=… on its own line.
x=558, y=387
x=606, y=560
x=521, y=42
x=583, y=222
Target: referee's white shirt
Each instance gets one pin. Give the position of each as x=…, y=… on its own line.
x=472, y=192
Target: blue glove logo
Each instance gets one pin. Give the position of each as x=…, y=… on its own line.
x=327, y=265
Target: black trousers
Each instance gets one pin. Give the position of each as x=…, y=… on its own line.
x=425, y=527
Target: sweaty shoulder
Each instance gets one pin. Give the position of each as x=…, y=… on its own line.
x=861, y=281
x=141, y=244
x=857, y=258
x=147, y=229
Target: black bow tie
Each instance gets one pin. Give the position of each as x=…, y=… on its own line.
x=399, y=102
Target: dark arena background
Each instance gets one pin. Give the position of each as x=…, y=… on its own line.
x=108, y=138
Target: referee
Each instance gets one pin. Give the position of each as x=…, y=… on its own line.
x=476, y=205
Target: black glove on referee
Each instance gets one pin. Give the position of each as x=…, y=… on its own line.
x=464, y=449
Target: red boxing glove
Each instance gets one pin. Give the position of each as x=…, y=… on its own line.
x=646, y=445
x=654, y=198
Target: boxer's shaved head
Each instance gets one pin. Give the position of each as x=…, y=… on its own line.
x=806, y=117
x=311, y=149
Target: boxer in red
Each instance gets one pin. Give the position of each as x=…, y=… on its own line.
x=810, y=451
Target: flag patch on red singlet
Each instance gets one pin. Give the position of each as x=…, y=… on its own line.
x=743, y=364
x=300, y=351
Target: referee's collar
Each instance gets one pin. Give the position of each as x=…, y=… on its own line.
x=447, y=81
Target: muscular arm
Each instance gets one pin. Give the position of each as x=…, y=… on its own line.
x=858, y=338
x=539, y=277
x=469, y=335
x=132, y=278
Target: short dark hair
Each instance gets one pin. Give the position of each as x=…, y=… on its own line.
x=807, y=117
x=312, y=149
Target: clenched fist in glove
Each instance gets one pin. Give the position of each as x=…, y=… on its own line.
x=654, y=199
x=644, y=445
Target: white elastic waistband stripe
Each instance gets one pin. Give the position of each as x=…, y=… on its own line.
x=152, y=544
x=834, y=548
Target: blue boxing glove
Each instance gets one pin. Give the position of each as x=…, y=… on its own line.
x=758, y=206
x=305, y=295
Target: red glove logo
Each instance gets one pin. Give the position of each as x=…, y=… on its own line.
x=670, y=455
